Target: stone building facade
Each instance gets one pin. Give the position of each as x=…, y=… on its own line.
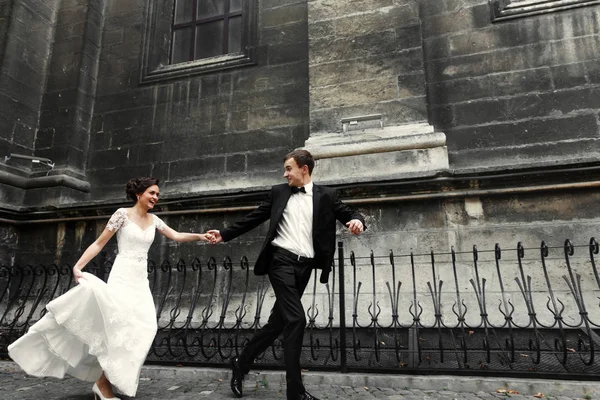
x=448, y=123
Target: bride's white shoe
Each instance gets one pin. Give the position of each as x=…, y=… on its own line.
x=98, y=393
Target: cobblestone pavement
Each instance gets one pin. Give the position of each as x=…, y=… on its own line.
x=213, y=384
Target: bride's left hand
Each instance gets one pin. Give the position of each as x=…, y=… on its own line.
x=206, y=237
x=77, y=274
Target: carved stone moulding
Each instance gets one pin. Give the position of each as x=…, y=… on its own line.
x=509, y=9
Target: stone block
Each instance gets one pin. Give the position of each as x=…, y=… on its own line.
x=76, y=159
x=324, y=50
x=532, y=155
x=267, y=160
x=44, y=138
x=11, y=109
x=114, y=7
x=110, y=158
x=116, y=175
x=593, y=70
x=235, y=163
x=411, y=85
x=441, y=116
x=114, y=36
x=71, y=15
x=355, y=93
x=391, y=64
x=28, y=93
x=45, y=10
x=276, y=117
x=150, y=153
x=141, y=97
x=184, y=169
x=269, y=77
x=284, y=15
x=403, y=19
x=479, y=112
x=522, y=133
x=292, y=53
x=409, y=37
x=328, y=10
x=22, y=61
x=57, y=117
x=24, y=135
x=128, y=118
x=285, y=35
x=266, y=4
x=490, y=86
x=447, y=23
x=436, y=48
x=292, y=93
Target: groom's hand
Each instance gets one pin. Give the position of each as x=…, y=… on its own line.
x=216, y=236
x=355, y=226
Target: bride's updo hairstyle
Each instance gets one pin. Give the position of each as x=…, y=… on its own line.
x=137, y=186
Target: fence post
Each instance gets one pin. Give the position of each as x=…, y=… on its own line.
x=343, y=363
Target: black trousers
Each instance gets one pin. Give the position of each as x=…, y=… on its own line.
x=289, y=278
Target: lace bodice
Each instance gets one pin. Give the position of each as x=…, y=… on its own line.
x=132, y=240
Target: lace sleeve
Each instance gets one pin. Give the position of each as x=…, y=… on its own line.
x=117, y=220
x=160, y=225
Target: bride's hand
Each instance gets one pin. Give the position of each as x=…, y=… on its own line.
x=77, y=274
x=206, y=237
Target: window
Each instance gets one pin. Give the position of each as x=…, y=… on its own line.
x=186, y=37
x=509, y=9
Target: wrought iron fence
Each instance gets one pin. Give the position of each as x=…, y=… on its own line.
x=523, y=311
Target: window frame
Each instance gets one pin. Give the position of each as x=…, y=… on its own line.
x=510, y=9
x=154, y=30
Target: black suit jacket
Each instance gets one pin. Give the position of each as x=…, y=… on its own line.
x=327, y=208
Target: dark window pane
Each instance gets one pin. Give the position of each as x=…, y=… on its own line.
x=182, y=43
x=209, y=39
x=235, y=35
x=235, y=6
x=184, y=11
x=210, y=8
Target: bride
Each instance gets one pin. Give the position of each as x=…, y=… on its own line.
x=100, y=331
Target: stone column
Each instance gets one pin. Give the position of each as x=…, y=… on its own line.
x=368, y=111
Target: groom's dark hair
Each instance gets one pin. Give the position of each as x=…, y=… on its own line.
x=302, y=158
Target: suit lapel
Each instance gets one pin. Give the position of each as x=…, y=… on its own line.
x=281, y=202
x=316, y=202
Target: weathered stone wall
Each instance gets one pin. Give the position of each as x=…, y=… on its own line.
x=5, y=10
x=219, y=131
x=28, y=28
x=69, y=98
x=8, y=244
x=365, y=57
x=506, y=95
x=523, y=91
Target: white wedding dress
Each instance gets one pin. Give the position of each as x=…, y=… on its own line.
x=99, y=326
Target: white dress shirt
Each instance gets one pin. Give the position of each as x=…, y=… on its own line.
x=294, y=232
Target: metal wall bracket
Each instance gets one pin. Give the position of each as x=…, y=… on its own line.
x=351, y=121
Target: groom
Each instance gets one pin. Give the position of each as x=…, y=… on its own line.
x=301, y=237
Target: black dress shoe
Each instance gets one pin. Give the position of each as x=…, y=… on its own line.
x=307, y=396
x=237, y=377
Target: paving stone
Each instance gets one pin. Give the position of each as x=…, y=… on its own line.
x=178, y=384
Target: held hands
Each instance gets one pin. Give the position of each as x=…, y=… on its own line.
x=216, y=236
x=77, y=274
x=355, y=226
x=207, y=237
